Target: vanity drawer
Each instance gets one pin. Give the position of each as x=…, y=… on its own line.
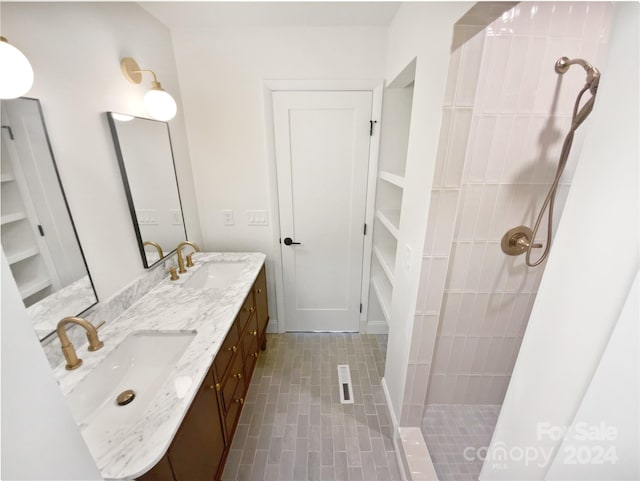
x=246, y=311
x=235, y=406
x=229, y=346
x=250, y=349
x=234, y=376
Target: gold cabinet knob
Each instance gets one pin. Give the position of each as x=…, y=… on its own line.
x=240, y=401
x=259, y=291
x=238, y=375
x=251, y=309
x=232, y=349
x=254, y=354
x=254, y=332
x=216, y=386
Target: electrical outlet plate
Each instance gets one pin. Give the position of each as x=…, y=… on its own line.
x=227, y=217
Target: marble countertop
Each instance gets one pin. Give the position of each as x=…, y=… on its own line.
x=129, y=450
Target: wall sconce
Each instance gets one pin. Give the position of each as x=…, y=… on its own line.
x=159, y=104
x=17, y=73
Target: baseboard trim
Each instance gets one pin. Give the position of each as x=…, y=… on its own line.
x=377, y=327
x=402, y=467
x=272, y=327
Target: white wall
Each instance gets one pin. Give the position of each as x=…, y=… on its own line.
x=423, y=31
x=40, y=439
x=221, y=75
x=75, y=50
x=589, y=271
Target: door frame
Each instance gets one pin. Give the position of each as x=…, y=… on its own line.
x=375, y=86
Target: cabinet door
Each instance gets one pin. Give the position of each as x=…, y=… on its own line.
x=198, y=448
x=262, y=306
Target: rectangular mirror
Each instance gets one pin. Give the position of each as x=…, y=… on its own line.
x=39, y=238
x=145, y=156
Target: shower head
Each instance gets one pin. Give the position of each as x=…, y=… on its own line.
x=593, y=74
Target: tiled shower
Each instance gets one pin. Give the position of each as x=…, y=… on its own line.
x=504, y=119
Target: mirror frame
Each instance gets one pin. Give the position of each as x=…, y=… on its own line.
x=127, y=186
x=47, y=139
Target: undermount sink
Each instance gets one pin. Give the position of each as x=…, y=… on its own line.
x=215, y=275
x=141, y=363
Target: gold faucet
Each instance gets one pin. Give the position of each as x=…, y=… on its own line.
x=156, y=245
x=67, y=348
x=181, y=268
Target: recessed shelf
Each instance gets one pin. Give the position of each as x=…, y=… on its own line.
x=22, y=255
x=386, y=257
x=383, y=292
x=32, y=287
x=7, y=177
x=390, y=218
x=395, y=179
x=6, y=219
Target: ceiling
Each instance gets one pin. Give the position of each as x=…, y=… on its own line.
x=231, y=14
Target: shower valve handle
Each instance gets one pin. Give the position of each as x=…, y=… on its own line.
x=517, y=240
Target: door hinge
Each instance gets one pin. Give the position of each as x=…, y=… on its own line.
x=365, y=229
x=8, y=127
x=361, y=308
x=41, y=230
x=371, y=122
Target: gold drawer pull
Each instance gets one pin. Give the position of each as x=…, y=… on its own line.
x=216, y=387
x=238, y=375
x=249, y=309
x=254, y=332
x=232, y=349
x=240, y=401
x=254, y=354
x=259, y=291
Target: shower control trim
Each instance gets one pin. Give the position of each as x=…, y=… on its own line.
x=516, y=241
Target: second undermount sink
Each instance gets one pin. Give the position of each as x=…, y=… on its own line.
x=140, y=363
x=215, y=275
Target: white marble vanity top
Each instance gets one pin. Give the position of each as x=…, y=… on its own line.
x=126, y=452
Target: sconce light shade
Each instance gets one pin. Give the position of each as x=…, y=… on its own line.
x=17, y=74
x=158, y=103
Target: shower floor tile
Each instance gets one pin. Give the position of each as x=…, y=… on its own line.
x=454, y=433
x=293, y=427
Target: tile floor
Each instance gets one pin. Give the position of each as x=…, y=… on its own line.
x=293, y=426
x=449, y=429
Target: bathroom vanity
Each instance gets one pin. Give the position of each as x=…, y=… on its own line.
x=188, y=348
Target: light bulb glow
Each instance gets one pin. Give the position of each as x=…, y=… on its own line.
x=160, y=105
x=17, y=73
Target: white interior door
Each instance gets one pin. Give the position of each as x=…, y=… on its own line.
x=322, y=151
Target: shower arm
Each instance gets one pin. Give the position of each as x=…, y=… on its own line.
x=593, y=74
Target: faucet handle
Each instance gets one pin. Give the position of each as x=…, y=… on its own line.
x=174, y=274
x=190, y=260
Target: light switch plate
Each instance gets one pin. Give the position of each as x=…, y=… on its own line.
x=257, y=217
x=227, y=217
x=147, y=216
x=176, y=217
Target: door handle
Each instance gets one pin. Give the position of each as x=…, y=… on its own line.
x=288, y=241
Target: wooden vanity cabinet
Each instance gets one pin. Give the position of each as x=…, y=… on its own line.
x=199, y=450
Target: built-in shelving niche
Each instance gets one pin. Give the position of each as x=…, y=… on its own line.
x=395, y=126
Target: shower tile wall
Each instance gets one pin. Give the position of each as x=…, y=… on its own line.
x=505, y=115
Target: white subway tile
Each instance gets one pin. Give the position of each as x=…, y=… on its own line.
x=519, y=315
x=530, y=83
x=446, y=223
x=497, y=59
x=460, y=258
x=482, y=353
x=560, y=19
x=457, y=147
x=450, y=314
x=468, y=212
x=460, y=389
x=490, y=326
x=577, y=18
x=452, y=75
x=472, y=55
x=457, y=347
x=493, y=261
x=474, y=268
x=542, y=18
x=480, y=307
x=468, y=355
x=419, y=391
x=428, y=339
x=442, y=354
x=503, y=319
x=499, y=142
x=435, y=287
x=515, y=156
x=416, y=335
x=467, y=314
x=513, y=75
x=479, y=157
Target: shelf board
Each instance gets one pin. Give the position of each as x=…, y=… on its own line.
x=395, y=179
x=22, y=255
x=30, y=288
x=7, y=177
x=390, y=218
x=383, y=292
x=386, y=257
x=6, y=219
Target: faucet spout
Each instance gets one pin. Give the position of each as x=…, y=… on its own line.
x=181, y=268
x=73, y=362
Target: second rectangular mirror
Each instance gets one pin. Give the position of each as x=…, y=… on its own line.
x=145, y=155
